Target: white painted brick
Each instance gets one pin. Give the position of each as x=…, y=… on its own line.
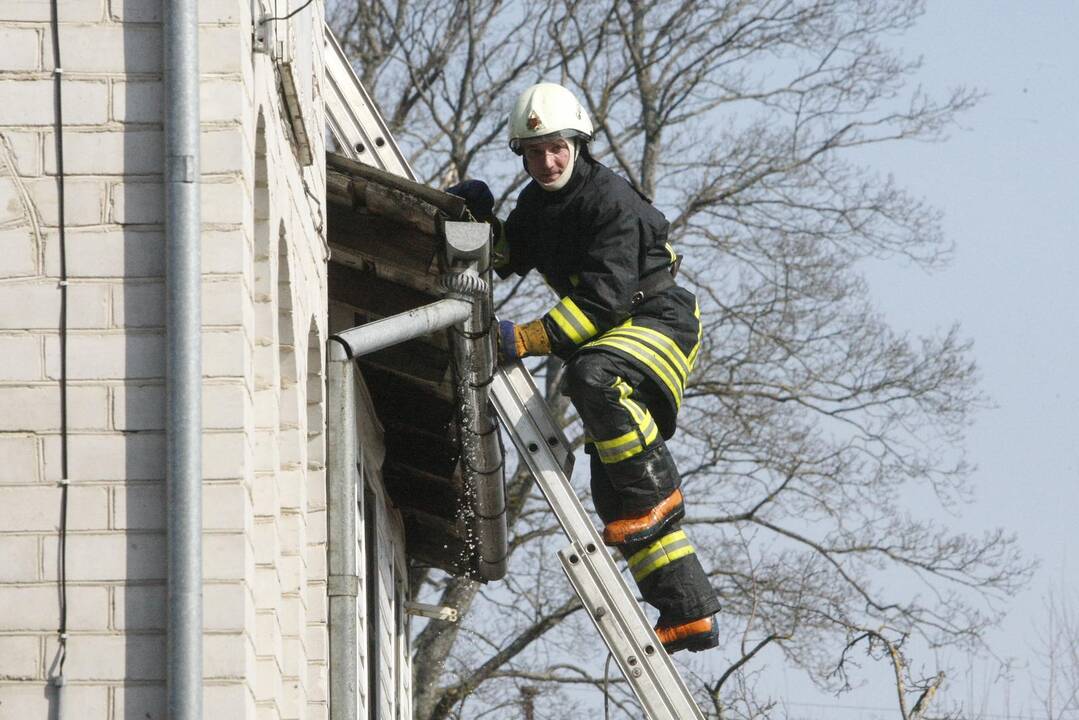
x=20, y=659
x=84, y=202
x=37, y=407
x=224, y=151
x=226, y=606
x=264, y=495
x=225, y=455
x=225, y=354
x=21, y=561
x=267, y=589
x=316, y=526
x=13, y=206
x=317, y=642
x=139, y=701
x=134, y=456
x=224, y=50
x=317, y=603
x=139, y=407
x=18, y=460
x=293, y=537
x=223, y=301
x=139, y=507
x=38, y=700
x=266, y=541
x=267, y=632
x=224, y=203
x=92, y=357
x=38, y=304
x=22, y=48
x=137, y=203
x=316, y=488
x=267, y=683
x=112, y=556
x=290, y=570
x=139, y=607
x=113, y=657
x=232, y=700
x=225, y=251
x=24, y=609
x=71, y=11
x=222, y=100
x=108, y=253
x=24, y=151
x=224, y=556
x=316, y=561
x=137, y=101
x=135, y=10
x=138, y=305
x=291, y=487
x=225, y=656
x=30, y=102
x=22, y=355
x=110, y=152
x=18, y=247
x=225, y=506
x=224, y=406
x=107, y=49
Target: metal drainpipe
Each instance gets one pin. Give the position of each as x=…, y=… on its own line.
x=342, y=481
x=183, y=362
x=474, y=357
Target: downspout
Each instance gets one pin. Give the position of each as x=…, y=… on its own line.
x=472, y=343
x=183, y=362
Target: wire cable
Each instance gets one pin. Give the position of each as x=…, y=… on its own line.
x=606, y=694
x=58, y=73
x=294, y=12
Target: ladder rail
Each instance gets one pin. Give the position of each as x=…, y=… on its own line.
x=591, y=571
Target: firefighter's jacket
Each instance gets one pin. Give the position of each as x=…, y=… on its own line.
x=595, y=241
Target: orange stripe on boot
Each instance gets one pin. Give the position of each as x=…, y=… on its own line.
x=694, y=636
x=641, y=528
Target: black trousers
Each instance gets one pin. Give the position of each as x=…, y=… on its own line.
x=627, y=420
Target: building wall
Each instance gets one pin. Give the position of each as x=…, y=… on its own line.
x=264, y=330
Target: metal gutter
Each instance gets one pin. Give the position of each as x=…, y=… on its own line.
x=467, y=309
x=183, y=362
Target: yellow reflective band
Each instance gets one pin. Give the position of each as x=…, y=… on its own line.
x=663, y=552
x=620, y=448
x=671, y=252
x=571, y=321
x=692, y=359
x=677, y=361
x=649, y=358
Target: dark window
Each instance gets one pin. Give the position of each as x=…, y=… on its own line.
x=370, y=548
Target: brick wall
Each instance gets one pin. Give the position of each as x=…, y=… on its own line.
x=264, y=507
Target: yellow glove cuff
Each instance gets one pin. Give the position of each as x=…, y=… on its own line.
x=531, y=339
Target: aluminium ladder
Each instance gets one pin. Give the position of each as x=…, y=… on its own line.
x=604, y=594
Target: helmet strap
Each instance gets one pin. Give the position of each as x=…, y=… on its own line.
x=560, y=182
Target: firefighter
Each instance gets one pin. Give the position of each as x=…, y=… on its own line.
x=628, y=333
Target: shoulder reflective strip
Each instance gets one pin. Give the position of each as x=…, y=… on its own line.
x=574, y=323
x=692, y=358
x=650, y=359
x=671, y=252
x=660, y=342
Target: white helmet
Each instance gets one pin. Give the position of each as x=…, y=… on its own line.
x=547, y=110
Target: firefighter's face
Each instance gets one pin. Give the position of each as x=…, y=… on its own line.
x=546, y=160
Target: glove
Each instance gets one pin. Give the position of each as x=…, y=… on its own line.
x=477, y=196
x=518, y=341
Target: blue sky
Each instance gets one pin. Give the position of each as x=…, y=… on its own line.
x=1008, y=182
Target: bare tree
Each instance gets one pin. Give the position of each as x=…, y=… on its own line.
x=818, y=445
x=1056, y=686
